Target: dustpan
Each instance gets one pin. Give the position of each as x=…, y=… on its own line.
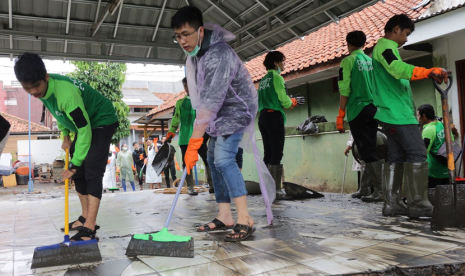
x=163, y=157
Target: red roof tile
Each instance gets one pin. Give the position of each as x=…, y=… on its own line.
x=169, y=103
x=328, y=43
x=21, y=125
x=163, y=96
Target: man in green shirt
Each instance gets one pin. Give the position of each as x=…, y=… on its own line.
x=355, y=87
x=184, y=114
x=78, y=108
x=433, y=136
x=393, y=97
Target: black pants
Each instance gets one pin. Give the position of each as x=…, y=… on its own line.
x=433, y=182
x=202, y=152
x=170, y=168
x=364, y=128
x=89, y=176
x=139, y=175
x=271, y=125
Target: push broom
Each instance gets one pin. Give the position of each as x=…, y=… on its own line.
x=163, y=243
x=67, y=252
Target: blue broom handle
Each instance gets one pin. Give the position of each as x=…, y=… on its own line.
x=196, y=179
x=176, y=198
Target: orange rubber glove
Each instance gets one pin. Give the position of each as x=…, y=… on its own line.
x=170, y=135
x=145, y=161
x=340, y=121
x=294, y=102
x=108, y=162
x=177, y=166
x=192, y=153
x=436, y=73
x=133, y=168
x=141, y=156
x=117, y=170
x=116, y=149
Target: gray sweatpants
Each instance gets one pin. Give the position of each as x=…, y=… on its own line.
x=404, y=143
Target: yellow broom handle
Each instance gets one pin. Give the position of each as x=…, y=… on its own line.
x=67, y=196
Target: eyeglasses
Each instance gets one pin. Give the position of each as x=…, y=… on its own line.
x=176, y=38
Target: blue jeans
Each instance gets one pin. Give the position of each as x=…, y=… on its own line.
x=227, y=178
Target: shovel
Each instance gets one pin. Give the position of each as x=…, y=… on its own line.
x=448, y=200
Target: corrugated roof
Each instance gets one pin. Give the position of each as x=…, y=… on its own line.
x=21, y=125
x=441, y=6
x=328, y=43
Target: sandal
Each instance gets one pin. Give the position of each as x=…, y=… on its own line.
x=77, y=228
x=84, y=232
x=219, y=225
x=242, y=231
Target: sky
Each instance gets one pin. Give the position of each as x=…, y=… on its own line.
x=149, y=72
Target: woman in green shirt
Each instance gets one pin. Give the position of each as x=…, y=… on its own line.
x=272, y=99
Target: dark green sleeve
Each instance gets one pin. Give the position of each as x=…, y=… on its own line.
x=176, y=117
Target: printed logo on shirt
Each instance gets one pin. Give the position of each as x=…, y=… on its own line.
x=58, y=113
x=441, y=135
x=364, y=65
x=78, y=84
x=264, y=84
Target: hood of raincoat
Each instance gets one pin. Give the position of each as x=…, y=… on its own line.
x=221, y=89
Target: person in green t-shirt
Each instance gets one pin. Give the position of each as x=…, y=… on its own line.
x=184, y=114
x=433, y=136
x=78, y=108
x=355, y=78
x=272, y=99
x=393, y=97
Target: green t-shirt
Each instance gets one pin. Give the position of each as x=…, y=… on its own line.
x=184, y=114
x=79, y=108
x=355, y=77
x=392, y=94
x=272, y=93
x=434, y=131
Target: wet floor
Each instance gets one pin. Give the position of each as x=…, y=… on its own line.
x=328, y=236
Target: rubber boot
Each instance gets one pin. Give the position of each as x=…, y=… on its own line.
x=190, y=184
x=375, y=170
x=277, y=173
x=416, y=187
x=211, y=189
x=392, y=186
x=133, y=186
x=365, y=183
x=123, y=183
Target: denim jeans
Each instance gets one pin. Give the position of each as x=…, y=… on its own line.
x=227, y=178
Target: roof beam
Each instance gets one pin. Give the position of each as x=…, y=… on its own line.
x=158, y=21
x=332, y=16
x=263, y=17
x=126, y=6
x=229, y=15
x=279, y=17
x=77, y=22
x=90, y=57
x=89, y=39
x=117, y=18
x=97, y=12
x=68, y=16
x=293, y=22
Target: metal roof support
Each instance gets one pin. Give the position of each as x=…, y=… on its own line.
x=332, y=16
x=10, y=23
x=65, y=49
x=99, y=23
x=126, y=6
x=267, y=7
x=229, y=15
x=262, y=18
x=158, y=21
x=71, y=38
x=117, y=18
x=97, y=12
x=293, y=22
x=110, y=9
x=111, y=49
x=67, y=16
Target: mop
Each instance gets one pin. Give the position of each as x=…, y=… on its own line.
x=163, y=243
x=67, y=252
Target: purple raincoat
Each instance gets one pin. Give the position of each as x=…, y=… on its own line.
x=225, y=98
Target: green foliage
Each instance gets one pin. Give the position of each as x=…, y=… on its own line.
x=107, y=78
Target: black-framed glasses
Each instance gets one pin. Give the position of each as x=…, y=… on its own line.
x=178, y=37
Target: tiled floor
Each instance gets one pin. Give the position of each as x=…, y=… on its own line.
x=329, y=236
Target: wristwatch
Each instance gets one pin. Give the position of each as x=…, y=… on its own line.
x=71, y=166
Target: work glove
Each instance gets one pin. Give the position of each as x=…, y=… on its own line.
x=133, y=168
x=118, y=170
x=192, y=153
x=141, y=156
x=108, y=162
x=170, y=136
x=436, y=73
x=177, y=166
x=145, y=161
x=294, y=102
x=340, y=121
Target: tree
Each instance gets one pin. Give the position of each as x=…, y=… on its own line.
x=107, y=78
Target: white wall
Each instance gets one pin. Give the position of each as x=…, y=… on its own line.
x=42, y=151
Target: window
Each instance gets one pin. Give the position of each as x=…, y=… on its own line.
x=144, y=110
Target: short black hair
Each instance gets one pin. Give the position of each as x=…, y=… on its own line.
x=187, y=15
x=427, y=110
x=133, y=144
x=356, y=38
x=271, y=58
x=184, y=80
x=30, y=68
x=401, y=20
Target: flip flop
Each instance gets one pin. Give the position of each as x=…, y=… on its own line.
x=238, y=230
x=85, y=232
x=77, y=228
x=219, y=226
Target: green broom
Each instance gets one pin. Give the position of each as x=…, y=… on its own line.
x=67, y=252
x=163, y=243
